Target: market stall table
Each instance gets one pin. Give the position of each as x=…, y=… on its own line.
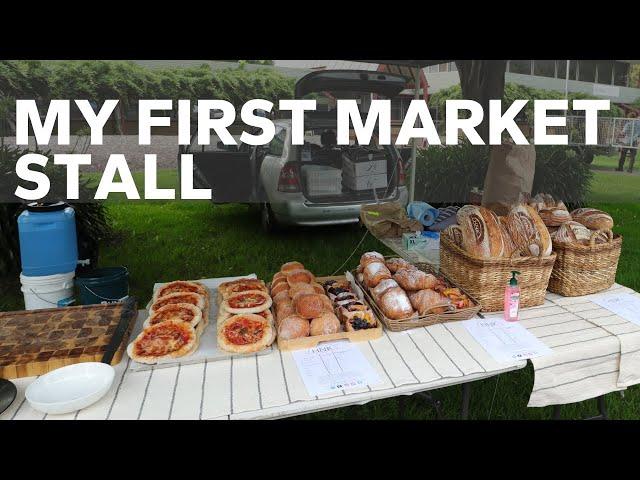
x=269, y=386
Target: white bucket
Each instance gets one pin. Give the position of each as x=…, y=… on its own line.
x=49, y=291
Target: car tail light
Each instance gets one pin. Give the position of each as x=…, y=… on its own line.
x=401, y=175
x=289, y=180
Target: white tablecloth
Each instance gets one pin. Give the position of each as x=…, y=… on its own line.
x=269, y=386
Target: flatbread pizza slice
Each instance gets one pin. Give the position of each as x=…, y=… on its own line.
x=163, y=341
x=181, y=286
x=251, y=301
x=245, y=333
x=242, y=285
x=184, y=312
x=185, y=297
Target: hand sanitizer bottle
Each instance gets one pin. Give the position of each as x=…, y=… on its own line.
x=512, y=298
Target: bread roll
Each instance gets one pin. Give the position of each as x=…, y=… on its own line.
x=284, y=309
x=290, y=266
x=374, y=273
x=572, y=232
x=429, y=301
x=312, y=305
x=481, y=234
x=396, y=304
x=382, y=287
x=593, y=218
x=553, y=217
x=528, y=231
x=415, y=279
x=277, y=276
x=325, y=324
x=280, y=287
x=292, y=327
x=369, y=257
x=297, y=276
x=300, y=288
x=281, y=297
x=318, y=288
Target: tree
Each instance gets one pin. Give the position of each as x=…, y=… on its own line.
x=482, y=80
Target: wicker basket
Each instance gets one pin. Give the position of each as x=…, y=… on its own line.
x=424, y=320
x=486, y=279
x=585, y=269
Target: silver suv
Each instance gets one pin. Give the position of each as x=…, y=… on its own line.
x=318, y=183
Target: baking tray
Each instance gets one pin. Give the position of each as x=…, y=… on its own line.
x=355, y=336
x=423, y=320
x=208, y=350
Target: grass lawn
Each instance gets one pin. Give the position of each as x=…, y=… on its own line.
x=160, y=241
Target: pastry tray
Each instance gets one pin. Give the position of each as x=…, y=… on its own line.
x=208, y=350
x=422, y=320
x=355, y=336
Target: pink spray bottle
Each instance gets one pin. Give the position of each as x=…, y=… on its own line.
x=512, y=298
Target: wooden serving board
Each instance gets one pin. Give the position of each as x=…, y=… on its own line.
x=38, y=341
x=355, y=336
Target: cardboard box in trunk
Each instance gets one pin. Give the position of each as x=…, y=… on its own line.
x=322, y=180
x=367, y=182
x=365, y=165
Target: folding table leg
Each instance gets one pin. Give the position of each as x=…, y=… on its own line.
x=466, y=397
x=602, y=410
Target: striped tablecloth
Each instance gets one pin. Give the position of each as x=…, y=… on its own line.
x=594, y=351
x=269, y=386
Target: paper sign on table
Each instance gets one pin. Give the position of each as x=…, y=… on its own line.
x=334, y=366
x=505, y=341
x=624, y=304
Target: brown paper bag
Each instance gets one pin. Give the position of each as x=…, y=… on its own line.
x=509, y=177
x=387, y=220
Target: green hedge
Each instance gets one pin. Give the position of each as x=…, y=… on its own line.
x=126, y=81
x=513, y=91
x=446, y=174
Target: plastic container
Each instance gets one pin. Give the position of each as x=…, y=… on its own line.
x=512, y=299
x=48, y=239
x=103, y=285
x=48, y=291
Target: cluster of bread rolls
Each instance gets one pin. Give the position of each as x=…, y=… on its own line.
x=571, y=227
x=401, y=290
x=484, y=234
x=301, y=306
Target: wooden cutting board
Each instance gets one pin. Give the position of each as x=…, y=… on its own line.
x=38, y=341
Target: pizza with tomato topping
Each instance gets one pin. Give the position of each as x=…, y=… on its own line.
x=227, y=289
x=173, y=298
x=181, y=286
x=184, y=312
x=251, y=301
x=163, y=341
x=245, y=333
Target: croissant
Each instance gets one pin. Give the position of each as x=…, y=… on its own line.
x=370, y=257
x=374, y=273
x=395, y=304
x=415, y=279
x=395, y=264
x=382, y=287
x=429, y=301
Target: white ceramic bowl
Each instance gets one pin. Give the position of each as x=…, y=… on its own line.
x=70, y=388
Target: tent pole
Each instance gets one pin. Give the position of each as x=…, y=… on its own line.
x=414, y=145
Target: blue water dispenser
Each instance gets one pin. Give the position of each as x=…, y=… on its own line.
x=48, y=239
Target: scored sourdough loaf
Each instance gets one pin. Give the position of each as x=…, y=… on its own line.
x=528, y=232
x=593, y=218
x=481, y=232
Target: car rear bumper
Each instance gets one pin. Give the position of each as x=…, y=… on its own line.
x=297, y=210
